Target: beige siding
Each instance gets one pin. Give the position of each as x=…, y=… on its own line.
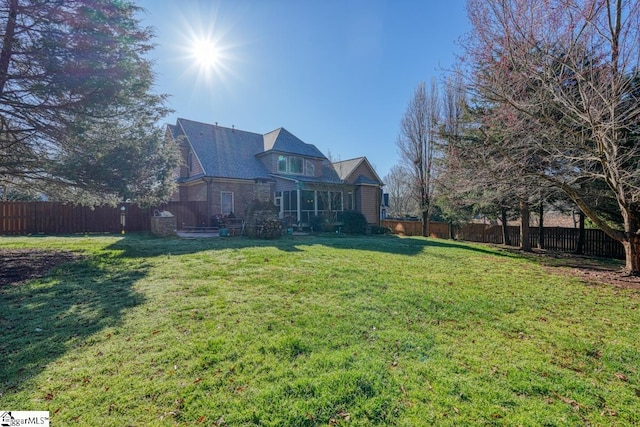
x=368, y=203
x=363, y=170
x=270, y=161
x=285, y=185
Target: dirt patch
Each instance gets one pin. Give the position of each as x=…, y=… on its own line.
x=589, y=269
x=18, y=265
x=600, y=274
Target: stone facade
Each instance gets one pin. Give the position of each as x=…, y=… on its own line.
x=262, y=220
x=163, y=226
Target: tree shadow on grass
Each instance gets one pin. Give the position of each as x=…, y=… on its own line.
x=43, y=319
x=143, y=245
x=410, y=245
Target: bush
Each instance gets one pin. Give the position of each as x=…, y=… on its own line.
x=321, y=223
x=316, y=222
x=376, y=229
x=353, y=222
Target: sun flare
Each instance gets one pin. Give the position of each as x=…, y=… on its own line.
x=206, y=47
x=206, y=54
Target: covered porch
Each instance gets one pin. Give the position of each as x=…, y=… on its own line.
x=304, y=206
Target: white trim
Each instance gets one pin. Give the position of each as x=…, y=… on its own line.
x=233, y=206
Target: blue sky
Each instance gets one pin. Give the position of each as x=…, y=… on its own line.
x=337, y=74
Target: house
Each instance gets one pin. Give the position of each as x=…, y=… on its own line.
x=229, y=168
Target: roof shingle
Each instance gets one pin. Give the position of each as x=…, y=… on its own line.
x=284, y=141
x=225, y=152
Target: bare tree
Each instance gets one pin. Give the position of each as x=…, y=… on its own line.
x=401, y=200
x=564, y=73
x=417, y=144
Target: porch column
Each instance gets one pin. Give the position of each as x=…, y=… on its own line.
x=209, y=182
x=315, y=203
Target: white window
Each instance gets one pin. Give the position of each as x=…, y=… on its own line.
x=310, y=169
x=282, y=164
x=296, y=165
x=226, y=202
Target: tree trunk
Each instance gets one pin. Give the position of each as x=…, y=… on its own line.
x=632, y=254
x=525, y=244
x=541, y=226
x=425, y=223
x=7, y=43
x=506, y=239
x=581, y=235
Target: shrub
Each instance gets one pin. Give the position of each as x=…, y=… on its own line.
x=376, y=229
x=352, y=222
x=322, y=223
x=316, y=223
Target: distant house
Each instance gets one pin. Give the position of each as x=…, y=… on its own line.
x=229, y=168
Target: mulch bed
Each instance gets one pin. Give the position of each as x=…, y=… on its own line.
x=18, y=265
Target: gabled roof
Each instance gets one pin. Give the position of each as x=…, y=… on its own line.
x=223, y=152
x=347, y=169
x=232, y=153
x=284, y=141
x=174, y=130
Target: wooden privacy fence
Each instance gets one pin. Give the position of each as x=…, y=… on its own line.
x=596, y=242
x=408, y=227
x=22, y=218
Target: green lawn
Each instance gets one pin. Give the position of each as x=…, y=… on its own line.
x=310, y=331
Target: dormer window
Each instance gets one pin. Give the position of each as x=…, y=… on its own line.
x=309, y=168
x=295, y=165
x=282, y=164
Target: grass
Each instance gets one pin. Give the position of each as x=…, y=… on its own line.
x=310, y=331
